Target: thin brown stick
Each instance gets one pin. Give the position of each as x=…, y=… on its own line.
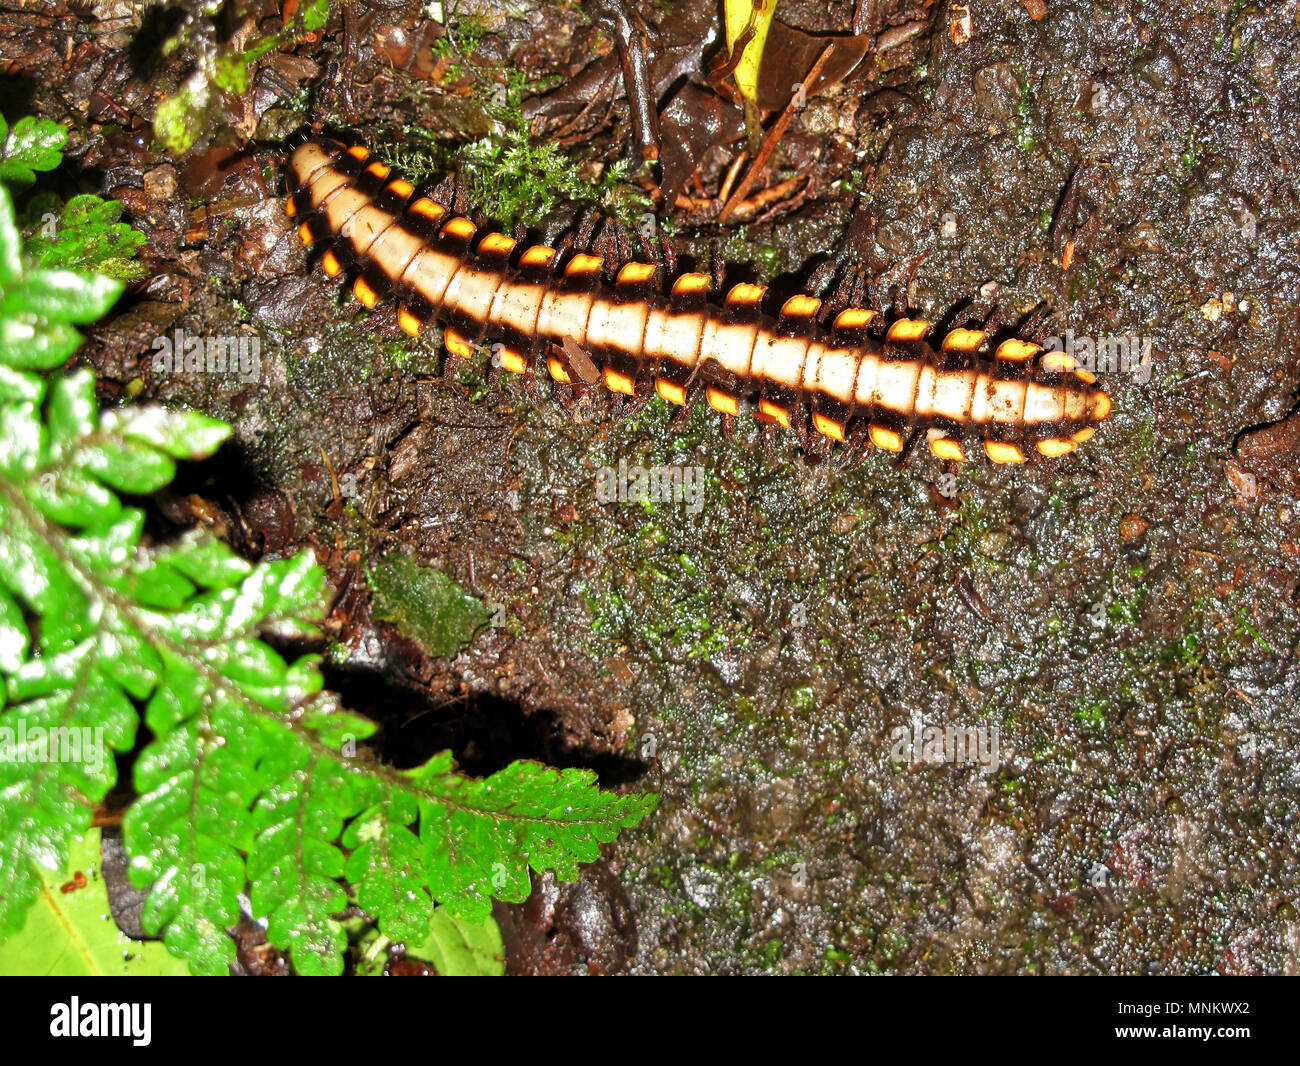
x=772, y=139
x=732, y=171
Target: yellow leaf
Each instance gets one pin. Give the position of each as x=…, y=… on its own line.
x=742, y=15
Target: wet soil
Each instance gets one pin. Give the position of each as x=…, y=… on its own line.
x=1118, y=628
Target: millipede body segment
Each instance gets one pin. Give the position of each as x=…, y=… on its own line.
x=535, y=303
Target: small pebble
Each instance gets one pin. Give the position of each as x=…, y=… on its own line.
x=1132, y=526
x=160, y=183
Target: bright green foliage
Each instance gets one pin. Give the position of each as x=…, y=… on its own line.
x=70, y=931
x=220, y=67
x=453, y=946
x=513, y=178
x=426, y=604
x=456, y=947
x=33, y=144
x=85, y=234
x=251, y=781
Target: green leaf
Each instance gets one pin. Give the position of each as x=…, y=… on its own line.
x=87, y=235
x=63, y=295
x=386, y=867
x=295, y=866
x=756, y=17
x=33, y=144
x=480, y=837
x=13, y=634
x=181, y=118
x=28, y=344
x=10, y=242
x=314, y=13
x=251, y=786
x=456, y=947
x=70, y=932
x=426, y=604
x=180, y=434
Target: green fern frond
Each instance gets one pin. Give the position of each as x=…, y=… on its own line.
x=249, y=793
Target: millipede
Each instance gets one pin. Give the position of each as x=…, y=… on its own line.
x=539, y=306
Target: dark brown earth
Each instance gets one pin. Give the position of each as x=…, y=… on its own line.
x=1125, y=618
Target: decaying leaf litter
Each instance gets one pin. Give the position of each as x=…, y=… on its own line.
x=1125, y=619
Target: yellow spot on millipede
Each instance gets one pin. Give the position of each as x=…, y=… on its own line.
x=513, y=361
x=745, y=295
x=496, y=244
x=363, y=292
x=689, y=284
x=426, y=208
x=721, y=401
x=331, y=265
x=854, y=318
x=1056, y=447
x=1017, y=350
x=410, y=323
x=459, y=228
x=537, y=256
x=557, y=370
x=773, y=413
x=616, y=382
x=908, y=329
x=670, y=392
x=1001, y=452
x=635, y=273
x=946, y=448
x=827, y=427
x=963, y=340
x=887, y=439
x=583, y=264
x=1059, y=361
x=457, y=344
x=801, y=306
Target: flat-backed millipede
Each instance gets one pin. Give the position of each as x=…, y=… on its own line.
x=537, y=303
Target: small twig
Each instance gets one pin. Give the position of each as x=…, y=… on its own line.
x=772, y=139
x=730, y=179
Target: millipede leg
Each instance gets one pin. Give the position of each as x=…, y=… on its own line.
x=533, y=386
x=682, y=418
x=856, y=445
x=908, y=453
